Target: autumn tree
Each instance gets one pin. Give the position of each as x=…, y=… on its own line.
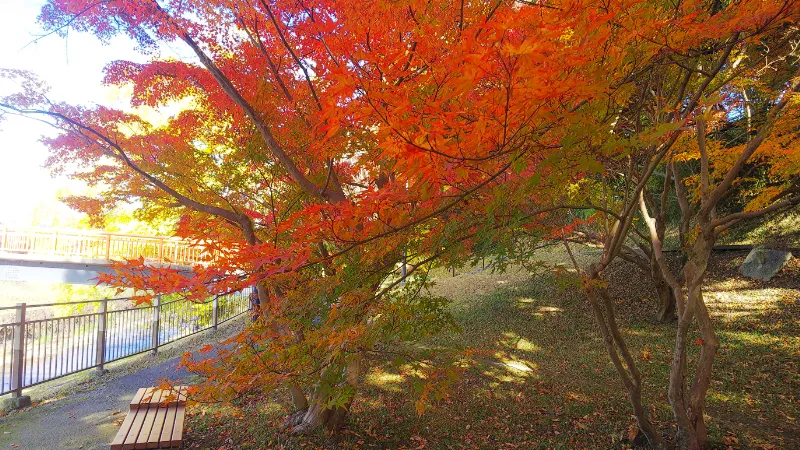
x=670, y=142
x=319, y=143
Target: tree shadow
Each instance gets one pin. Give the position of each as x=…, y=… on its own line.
x=546, y=371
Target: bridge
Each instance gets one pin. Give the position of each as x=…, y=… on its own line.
x=78, y=256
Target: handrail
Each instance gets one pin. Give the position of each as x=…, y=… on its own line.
x=92, y=244
x=82, y=302
x=81, y=232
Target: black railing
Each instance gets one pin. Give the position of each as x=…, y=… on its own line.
x=37, y=350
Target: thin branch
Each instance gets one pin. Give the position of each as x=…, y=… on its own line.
x=292, y=53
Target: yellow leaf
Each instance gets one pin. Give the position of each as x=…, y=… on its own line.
x=419, y=405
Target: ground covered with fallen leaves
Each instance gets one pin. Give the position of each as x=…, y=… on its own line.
x=544, y=380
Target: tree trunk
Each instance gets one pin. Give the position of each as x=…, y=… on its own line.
x=684, y=437
x=603, y=309
x=317, y=415
x=299, y=400
x=666, y=298
x=702, y=378
x=311, y=419
x=688, y=406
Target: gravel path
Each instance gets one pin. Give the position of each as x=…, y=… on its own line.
x=81, y=414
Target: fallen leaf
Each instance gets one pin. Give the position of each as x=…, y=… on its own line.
x=730, y=440
x=633, y=431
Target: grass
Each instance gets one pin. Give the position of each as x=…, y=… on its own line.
x=544, y=379
x=39, y=292
x=29, y=292
x=780, y=230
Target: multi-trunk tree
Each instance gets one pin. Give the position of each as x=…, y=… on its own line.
x=689, y=138
x=319, y=142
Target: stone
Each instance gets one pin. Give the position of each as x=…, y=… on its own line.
x=763, y=264
x=98, y=372
x=12, y=403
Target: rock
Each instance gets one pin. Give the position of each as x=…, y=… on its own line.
x=763, y=264
x=12, y=403
x=97, y=372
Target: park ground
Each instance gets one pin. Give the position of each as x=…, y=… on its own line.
x=547, y=381
x=542, y=378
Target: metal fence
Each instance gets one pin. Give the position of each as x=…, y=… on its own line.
x=35, y=351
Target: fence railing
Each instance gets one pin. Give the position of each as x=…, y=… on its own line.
x=40, y=350
x=99, y=245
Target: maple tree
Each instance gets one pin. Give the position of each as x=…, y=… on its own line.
x=688, y=134
x=320, y=143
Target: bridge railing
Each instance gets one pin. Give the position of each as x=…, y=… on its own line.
x=99, y=245
x=34, y=351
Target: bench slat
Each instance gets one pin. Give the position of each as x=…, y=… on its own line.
x=151, y=424
x=136, y=426
x=169, y=423
x=123, y=431
x=149, y=418
x=155, y=434
x=177, y=396
x=138, y=397
x=183, y=394
x=177, y=431
x=144, y=399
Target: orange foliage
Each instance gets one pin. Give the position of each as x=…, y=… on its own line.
x=325, y=139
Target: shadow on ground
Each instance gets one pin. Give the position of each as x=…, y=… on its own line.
x=542, y=378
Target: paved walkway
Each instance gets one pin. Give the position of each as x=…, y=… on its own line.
x=84, y=420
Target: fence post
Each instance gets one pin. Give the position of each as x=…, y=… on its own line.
x=156, y=322
x=108, y=246
x=5, y=239
x=18, y=400
x=100, y=340
x=215, y=312
x=161, y=250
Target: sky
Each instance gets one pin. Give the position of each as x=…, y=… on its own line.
x=73, y=67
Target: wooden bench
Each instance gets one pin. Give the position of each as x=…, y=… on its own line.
x=155, y=420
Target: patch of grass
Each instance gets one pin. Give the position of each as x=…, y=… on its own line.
x=544, y=380
x=29, y=292
x=781, y=230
